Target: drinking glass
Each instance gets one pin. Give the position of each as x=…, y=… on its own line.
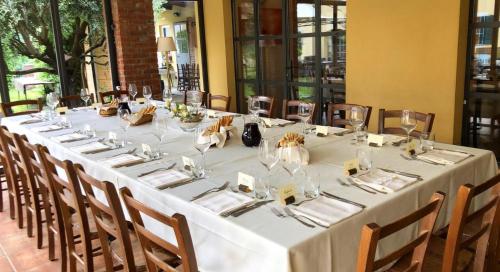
x=85, y=96
x=160, y=132
x=202, y=144
x=408, y=122
x=124, y=123
x=311, y=185
x=167, y=97
x=305, y=113
x=147, y=93
x=427, y=140
x=132, y=90
x=364, y=156
x=291, y=158
x=253, y=106
x=268, y=154
x=195, y=98
x=357, y=119
x=261, y=188
x=52, y=100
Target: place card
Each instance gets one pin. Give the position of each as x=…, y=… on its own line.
x=287, y=194
x=322, y=130
x=62, y=110
x=140, y=100
x=188, y=163
x=96, y=105
x=112, y=136
x=351, y=167
x=146, y=149
x=211, y=113
x=375, y=140
x=246, y=180
x=411, y=147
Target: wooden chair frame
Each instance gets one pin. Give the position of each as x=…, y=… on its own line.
x=148, y=239
x=7, y=107
x=372, y=233
x=292, y=115
x=225, y=99
x=265, y=100
x=426, y=118
x=65, y=101
x=115, y=94
x=343, y=109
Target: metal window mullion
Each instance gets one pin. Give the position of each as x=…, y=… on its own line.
x=318, y=89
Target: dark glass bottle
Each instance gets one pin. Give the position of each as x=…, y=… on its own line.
x=251, y=135
x=124, y=105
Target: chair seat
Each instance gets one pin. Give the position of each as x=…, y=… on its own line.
x=434, y=257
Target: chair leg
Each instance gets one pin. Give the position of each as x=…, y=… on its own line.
x=29, y=221
x=39, y=228
x=72, y=264
x=12, y=206
x=1, y=196
x=19, y=209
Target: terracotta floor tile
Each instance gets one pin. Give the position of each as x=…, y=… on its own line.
x=5, y=265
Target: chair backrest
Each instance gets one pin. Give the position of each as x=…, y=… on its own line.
x=7, y=107
x=184, y=248
x=106, y=97
x=27, y=165
x=225, y=100
x=109, y=219
x=9, y=157
x=266, y=105
x=74, y=101
x=485, y=237
x=427, y=119
x=69, y=198
x=291, y=110
x=372, y=233
x=338, y=114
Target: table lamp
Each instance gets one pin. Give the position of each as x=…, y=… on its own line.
x=166, y=45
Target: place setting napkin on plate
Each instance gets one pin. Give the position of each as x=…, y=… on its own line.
x=223, y=201
x=47, y=128
x=326, y=211
x=163, y=179
x=384, y=181
x=123, y=160
x=275, y=122
x=71, y=137
x=91, y=147
x=447, y=157
x=31, y=120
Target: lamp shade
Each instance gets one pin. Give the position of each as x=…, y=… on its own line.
x=166, y=44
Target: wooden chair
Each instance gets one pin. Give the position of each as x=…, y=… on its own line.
x=7, y=107
x=372, y=233
x=341, y=111
x=74, y=101
x=225, y=100
x=291, y=108
x=105, y=97
x=126, y=247
x=485, y=239
x=3, y=183
x=266, y=105
x=149, y=241
x=426, y=118
x=77, y=224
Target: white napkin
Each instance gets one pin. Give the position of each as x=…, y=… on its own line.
x=294, y=154
x=164, y=179
x=91, y=147
x=333, y=130
x=123, y=160
x=384, y=181
x=326, y=211
x=223, y=201
x=275, y=122
x=47, y=128
x=218, y=139
x=391, y=138
x=447, y=157
x=31, y=120
x=72, y=137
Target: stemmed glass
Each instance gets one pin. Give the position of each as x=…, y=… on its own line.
x=52, y=100
x=253, y=106
x=132, y=90
x=147, y=93
x=168, y=98
x=357, y=119
x=291, y=158
x=202, y=145
x=124, y=123
x=408, y=122
x=268, y=155
x=85, y=96
x=160, y=131
x=195, y=98
x=305, y=113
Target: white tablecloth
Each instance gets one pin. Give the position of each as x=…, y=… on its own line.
x=259, y=240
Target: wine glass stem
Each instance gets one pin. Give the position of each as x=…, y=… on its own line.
x=408, y=138
x=203, y=163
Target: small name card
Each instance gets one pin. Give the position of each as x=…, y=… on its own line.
x=188, y=163
x=287, y=194
x=322, y=130
x=112, y=136
x=62, y=110
x=411, y=148
x=211, y=113
x=141, y=100
x=146, y=149
x=351, y=167
x=247, y=180
x=375, y=140
x=96, y=105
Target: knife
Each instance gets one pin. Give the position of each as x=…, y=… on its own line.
x=326, y=194
x=244, y=209
x=410, y=175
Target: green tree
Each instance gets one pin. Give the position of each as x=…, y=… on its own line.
x=27, y=34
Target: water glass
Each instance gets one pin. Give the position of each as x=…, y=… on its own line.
x=89, y=131
x=65, y=122
x=261, y=188
x=408, y=122
x=427, y=140
x=364, y=156
x=85, y=96
x=147, y=93
x=312, y=185
x=132, y=90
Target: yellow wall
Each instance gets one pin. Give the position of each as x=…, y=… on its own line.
x=409, y=54
x=219, y=41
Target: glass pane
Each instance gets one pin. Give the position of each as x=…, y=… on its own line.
x=271, y=53
x=302, y=17
x=333, y=53
x=246, y=60
x=276, y=91
x=333, y=15
x=485, y=11
x=245, y=90
x=245, y=18
x=484, y=69
x=270, y=17
x=302, y=56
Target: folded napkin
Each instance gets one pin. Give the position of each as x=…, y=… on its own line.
x=164, y=179
x=333, y=130
x=442, y=156
x=291, y=149
x=123, y=160
x=384, y=181
x=91, y=147
x=326, y=211
x=218, y=133
x=391, y=138
x=47, y=128
x=275, y=122
x=223, y=201
x=68, y=138
x=31, y=120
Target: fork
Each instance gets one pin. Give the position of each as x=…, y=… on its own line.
x=352, y=183
x=277, y=212
x=131, y=151
x=156, y=170
x=213, y=190
x=415, y=158
x=296, y=217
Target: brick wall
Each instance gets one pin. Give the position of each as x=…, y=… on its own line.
x=136, y=43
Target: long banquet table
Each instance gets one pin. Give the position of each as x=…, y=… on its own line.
x=259, y=240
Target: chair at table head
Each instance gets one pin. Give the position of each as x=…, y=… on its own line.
x=426, y=120
x=27, y=107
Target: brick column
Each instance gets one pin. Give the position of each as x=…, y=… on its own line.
x=136, y=43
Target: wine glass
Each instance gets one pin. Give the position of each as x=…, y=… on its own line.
x=52, y=100
x=132, y=90
x=291, y=158
x=124, y=123
x=408, y=122
x=357, y=119
x=147, y=93
x=195, y=99
x=160, y=132
x=305, y=113
x=268, y=155
x=202, y=144
x=253, y=106
x=85, y=96
x=168, y=98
